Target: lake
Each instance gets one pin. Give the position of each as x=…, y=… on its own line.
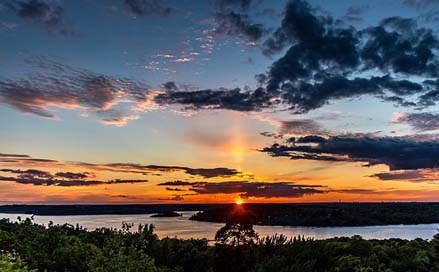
x=183, y=228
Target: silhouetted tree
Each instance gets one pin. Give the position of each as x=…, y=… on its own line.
x=236, y=234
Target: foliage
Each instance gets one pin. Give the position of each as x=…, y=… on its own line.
x=8, y=264
x=236, y=234
x=25, y=246
x=324, y=214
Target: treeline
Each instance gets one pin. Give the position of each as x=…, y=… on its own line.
x=325, y=214
x=26, y=246
x=101, y=209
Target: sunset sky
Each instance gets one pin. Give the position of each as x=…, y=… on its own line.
x=149, y=101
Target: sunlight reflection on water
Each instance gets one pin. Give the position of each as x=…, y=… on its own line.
x=183, y=228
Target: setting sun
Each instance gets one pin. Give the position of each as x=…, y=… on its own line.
x=239, y=202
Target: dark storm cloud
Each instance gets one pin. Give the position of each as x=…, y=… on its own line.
x=62, y=86
x=44, y=178
x=398, y=101
x=316, y=36
x=398, y=45
x=237, y=24
x=148, y=8
x=323, y=60
x=51, y=17
x=303, y=97
x=326, y=60
x=397, y=153
x=234, y=99
x=420, y=121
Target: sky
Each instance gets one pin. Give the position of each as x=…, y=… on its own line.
x=219, y=101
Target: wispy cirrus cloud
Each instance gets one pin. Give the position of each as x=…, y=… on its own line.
x=56, y=85
x=422, y=121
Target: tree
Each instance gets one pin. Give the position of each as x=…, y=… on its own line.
x=236, y=234
x=7, y=264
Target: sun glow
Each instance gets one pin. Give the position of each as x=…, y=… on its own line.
x=239, y=202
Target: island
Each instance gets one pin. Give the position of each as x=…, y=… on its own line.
x=167, y=214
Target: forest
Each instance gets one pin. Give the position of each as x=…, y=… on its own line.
x=26, y=246
x=324, y=214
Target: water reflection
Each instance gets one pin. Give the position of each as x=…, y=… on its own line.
x=183, y=228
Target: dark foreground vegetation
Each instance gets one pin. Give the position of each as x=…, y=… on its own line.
x=26, y=246
x=323, y=215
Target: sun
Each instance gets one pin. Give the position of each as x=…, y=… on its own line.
x=239, y=202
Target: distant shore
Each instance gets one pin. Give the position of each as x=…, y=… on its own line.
x=306, y=214
x=324, y=214
x=124, y=209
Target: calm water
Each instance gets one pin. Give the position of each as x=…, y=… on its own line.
x=181, y=227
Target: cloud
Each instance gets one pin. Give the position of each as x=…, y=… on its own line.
x=252, y=189
x=203, y=172
x=68, y=179
x=357, y=191
x=419, y=121
x=243, y=4
x=301, y=126
x=62, y=86
x=148, y=8
x=231, y=99
x=174, y=198
x=4, y=155
x=396, y=152
x=19, y=160
x=71, y=175
x=424, y=175
x=176, y=183
x=353, y=13
x=326, y=60
x=51, y=17
x=174, y=189
x=420, y=4
x=237, y=24
x=323, y=60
